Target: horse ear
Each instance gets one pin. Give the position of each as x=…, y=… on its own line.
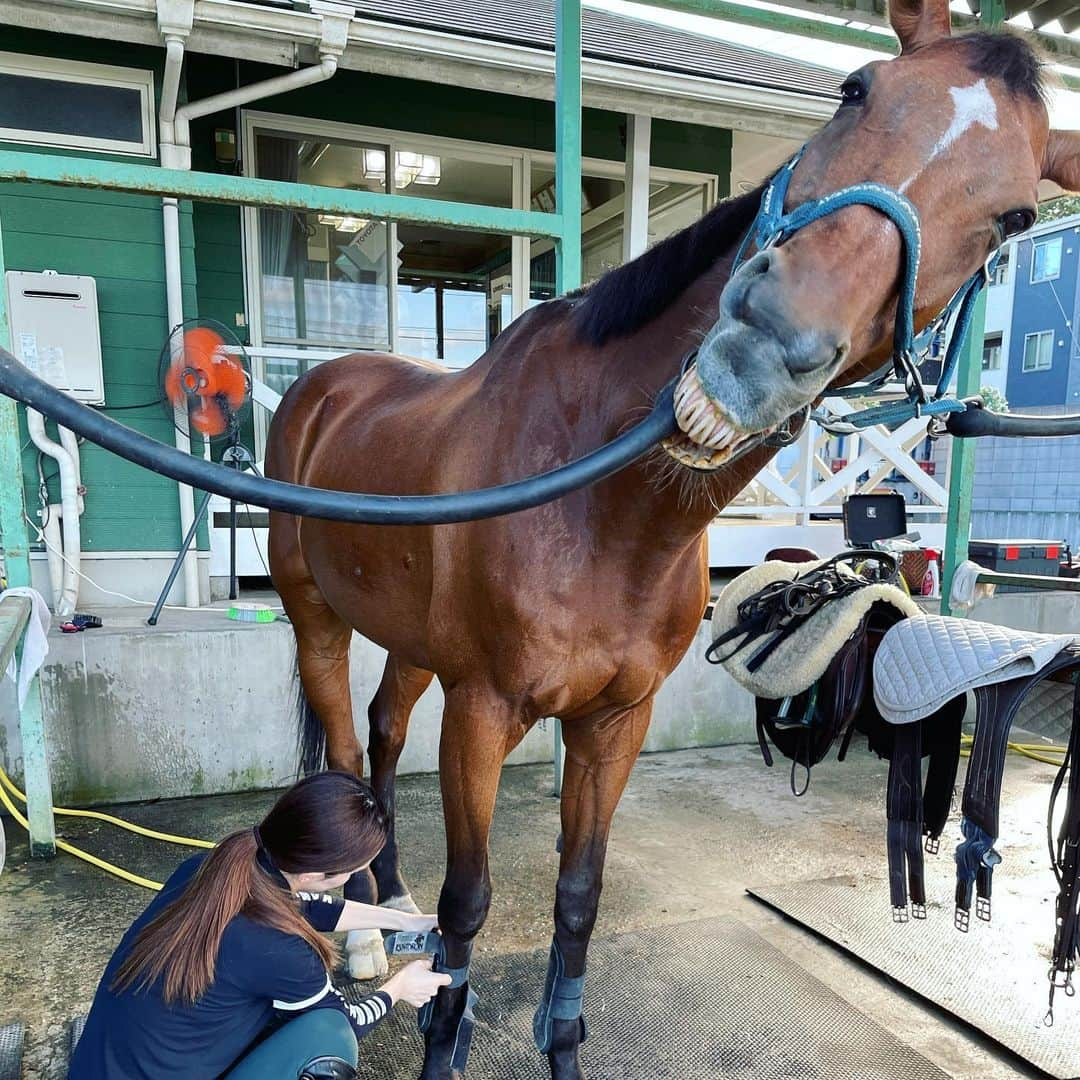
x=918, y=22
x=1062, y=161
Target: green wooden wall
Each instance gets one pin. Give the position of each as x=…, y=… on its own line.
x=117, y=239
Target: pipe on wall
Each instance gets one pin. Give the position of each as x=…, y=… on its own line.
x=69, y=511
x=174, y=125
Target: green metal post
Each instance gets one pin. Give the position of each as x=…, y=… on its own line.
x=568, y=143
x=567, y=194
x=962, y=460
x=16, y=545
x=962, y=451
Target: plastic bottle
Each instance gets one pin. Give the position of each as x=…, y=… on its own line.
x=931, y=582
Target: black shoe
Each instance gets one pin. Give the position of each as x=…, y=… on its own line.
x=327, y=1068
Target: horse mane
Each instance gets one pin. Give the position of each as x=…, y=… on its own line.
x=1000, y=54
x=631, y=295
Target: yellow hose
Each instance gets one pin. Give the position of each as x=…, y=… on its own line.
x=1035, y=751
x=126, y=875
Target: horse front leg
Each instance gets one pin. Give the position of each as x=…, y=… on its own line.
x=479, y=729
x=600, y=753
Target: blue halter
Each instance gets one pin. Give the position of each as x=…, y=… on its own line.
x=773, y=226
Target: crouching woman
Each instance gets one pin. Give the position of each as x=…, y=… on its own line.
x=227, y=972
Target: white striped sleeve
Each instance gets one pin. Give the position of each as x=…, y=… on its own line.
x=367, y=1012
x=307, y=1003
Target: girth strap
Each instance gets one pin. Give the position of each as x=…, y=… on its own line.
x=976, y=857
x=943, y=739
x=561, y=1000
x=1065, y=860
x=904, y=806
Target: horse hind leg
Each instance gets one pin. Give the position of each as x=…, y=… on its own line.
x=388, y=718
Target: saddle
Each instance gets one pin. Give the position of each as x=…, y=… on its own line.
x=800, y=637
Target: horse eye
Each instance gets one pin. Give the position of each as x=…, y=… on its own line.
x=852, y=92
x=1016, y=221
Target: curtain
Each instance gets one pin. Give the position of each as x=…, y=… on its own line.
x=279, y=243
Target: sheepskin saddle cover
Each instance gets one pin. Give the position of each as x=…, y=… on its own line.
x=802, y=654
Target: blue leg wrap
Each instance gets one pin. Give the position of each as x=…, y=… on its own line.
x=561, y=1001
x=405, y=943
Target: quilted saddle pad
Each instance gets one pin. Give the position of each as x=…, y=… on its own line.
x=927, y=660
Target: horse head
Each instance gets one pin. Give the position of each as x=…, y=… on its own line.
x=955, y=133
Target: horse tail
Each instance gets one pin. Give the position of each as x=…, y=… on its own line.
x=310, y=735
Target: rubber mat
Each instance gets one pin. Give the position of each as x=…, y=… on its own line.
x=994, y=977
x=11, y=1051
x=697, y=1000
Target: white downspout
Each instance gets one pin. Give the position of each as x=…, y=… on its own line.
x=175, y=19
x=69, y=509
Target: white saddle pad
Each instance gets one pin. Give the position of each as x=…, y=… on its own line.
x=927, y=660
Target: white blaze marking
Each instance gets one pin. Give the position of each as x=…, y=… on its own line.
x=972, y=105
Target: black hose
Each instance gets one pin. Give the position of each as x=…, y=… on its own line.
x=977, y=420
x=17, y=382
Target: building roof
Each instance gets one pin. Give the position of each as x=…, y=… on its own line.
x=604, y=36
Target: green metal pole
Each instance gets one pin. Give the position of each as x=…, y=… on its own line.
x=962, y=451
x=277, y=194
x=16, y=545
x=568, y=144
x=962, y=460
x=567, y=196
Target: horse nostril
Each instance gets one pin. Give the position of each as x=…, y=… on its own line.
x=841, y=353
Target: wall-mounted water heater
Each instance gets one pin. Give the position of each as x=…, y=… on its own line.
x=55, y=330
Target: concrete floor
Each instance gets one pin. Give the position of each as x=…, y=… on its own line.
x=695, y=828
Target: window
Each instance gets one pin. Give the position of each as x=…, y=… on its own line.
x=52, y=102
x=325, y=278
x=1001, y=271
x=991, y=356
x=1039, y=351
x=1046, y=259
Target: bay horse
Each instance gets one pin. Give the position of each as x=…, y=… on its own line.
x=580, y=609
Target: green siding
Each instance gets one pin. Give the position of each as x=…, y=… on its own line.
x=355, y=97
x=116, y=239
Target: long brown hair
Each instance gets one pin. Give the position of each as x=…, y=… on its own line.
x=327, y=823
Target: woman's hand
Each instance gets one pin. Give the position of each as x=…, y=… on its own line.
x=415, y=983
x=421, y=924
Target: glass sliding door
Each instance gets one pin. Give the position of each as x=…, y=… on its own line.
x=454, y=287
x=673, y=205
x=323, y=278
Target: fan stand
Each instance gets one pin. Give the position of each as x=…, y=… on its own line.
x=240, y=458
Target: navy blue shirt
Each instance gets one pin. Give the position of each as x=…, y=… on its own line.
x=261, y=973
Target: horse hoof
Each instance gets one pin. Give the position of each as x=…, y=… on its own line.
x=365, y=955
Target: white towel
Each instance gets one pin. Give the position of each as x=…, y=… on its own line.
x=35, y=642
x=964, y=582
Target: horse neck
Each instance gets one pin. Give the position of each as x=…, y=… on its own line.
x=672, y=504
